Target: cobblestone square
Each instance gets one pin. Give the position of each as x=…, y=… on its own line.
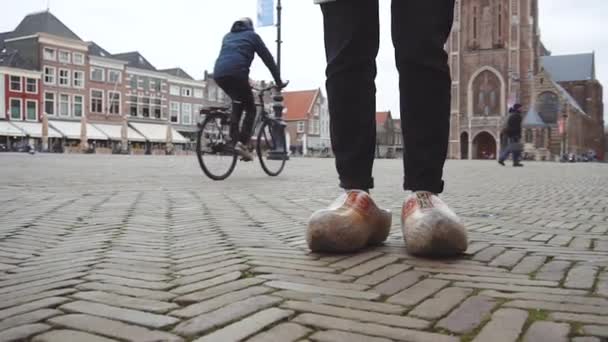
x=121, y=248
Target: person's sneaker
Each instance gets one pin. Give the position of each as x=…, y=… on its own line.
x=430, y=228
x=518, y=165
x=243, y=151
x=501, y=162
x=351, y=222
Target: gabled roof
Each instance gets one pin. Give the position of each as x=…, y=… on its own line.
x=96, y=50
x=566, y=68
x=299, y=103
x=381, y=117
x=12, y=59
x=3, y=36
x=177, y=72
x=43, y=22
x=532, y=119
x=571, y=100
x=135, y=60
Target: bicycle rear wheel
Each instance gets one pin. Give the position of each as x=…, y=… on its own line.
x=214, y=150
x=271, y=149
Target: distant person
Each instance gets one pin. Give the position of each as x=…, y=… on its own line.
x=512, y=131
x=231, y=73
x=420, y=29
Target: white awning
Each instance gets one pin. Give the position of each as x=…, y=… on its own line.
x=158, y=133
x=71, y=130
x=115, y=132
x=8, y=130
x=34, y=129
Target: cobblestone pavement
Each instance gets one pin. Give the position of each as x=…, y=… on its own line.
x=115, y=248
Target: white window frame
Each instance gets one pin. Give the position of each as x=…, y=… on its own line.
x=10, y=84
x=35, y=112
x=10, y=106
x=186, y=92
x=54, y=103
x=53, y=75
x=187, y=113
x=80, y=58
x=174, y=90
x=91, y=100
x=69, y=105
x=311, y=127
x=110, y=72
x=154, y=106
x=110, y=93
x=103, y=74
x=35, y=85
x=65, y=60
x=174, y=107
x=67, y=78
x=53, y=54
x=198, y=93
x=81, y=106
x=301, y=127
x=82, y=79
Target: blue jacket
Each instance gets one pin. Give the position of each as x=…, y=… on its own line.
x=238, y=50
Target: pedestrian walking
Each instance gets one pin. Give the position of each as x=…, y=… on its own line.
x=512, y=131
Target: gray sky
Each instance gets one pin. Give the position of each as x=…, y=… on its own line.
x=188, y=33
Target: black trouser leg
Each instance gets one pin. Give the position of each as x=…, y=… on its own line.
x=351, y=45
x=420, y=29
x=242, y=99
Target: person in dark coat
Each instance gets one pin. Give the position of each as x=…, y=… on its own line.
x=231, y=73
x=512, y=131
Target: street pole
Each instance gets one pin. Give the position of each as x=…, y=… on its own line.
x=279, y=41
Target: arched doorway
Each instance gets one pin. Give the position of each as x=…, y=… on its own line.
x=484, y=146
x=464, y=146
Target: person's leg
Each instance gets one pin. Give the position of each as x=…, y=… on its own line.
x=246, y=98
x=230, y=86
x=351, y=46
x=420, y=30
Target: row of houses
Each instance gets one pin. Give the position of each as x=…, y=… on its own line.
x=59, y=92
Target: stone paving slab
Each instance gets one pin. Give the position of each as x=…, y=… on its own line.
x=121, y=248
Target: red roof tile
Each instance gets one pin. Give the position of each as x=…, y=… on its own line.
x=381, y=117
x=298, y=104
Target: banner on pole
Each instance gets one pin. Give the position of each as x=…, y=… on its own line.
x=265, y=13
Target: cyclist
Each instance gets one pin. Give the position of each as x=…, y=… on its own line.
x=231, y=73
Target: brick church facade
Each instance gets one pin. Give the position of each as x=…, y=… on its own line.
x=497, y=59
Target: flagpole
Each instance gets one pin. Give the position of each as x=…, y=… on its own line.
x=279, y=10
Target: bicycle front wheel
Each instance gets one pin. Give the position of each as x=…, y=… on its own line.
x=214, y=150
x=271, y=149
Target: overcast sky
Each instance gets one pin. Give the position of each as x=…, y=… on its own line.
x=188, y=33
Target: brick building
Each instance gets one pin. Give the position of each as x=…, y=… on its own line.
x=495, y=56
x=307, y=119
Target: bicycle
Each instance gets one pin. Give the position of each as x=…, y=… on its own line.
x=215, y=150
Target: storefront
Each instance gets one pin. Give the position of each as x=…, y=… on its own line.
x=114, y=132
x=156, y=138
x=33, y=131
x=71, y=131
x=11, y=137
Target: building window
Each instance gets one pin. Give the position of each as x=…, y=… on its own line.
x=49, y=103
x=186, y=113
x=174, y=112
x=64, y=56
x=79, y=79
x=97, y=74
x=311, y=127
x=31, y=110
x=49, y=54
x=78, y=58
x=114, y=76
x=49, y=75
x=145, y=107
x=15, y=84
x=96, y=101
x=133, y=106
x=16, y=109
x=528, y=136
x=198, y=93
x=301, y=125
x=114, y=102
x=187, y=92
x=133, y=82
x=174, y=90
x=475, y=22
x=77, y=105
x=64, y=105
x=31, y=86
x=548, y=107
x=157, y=85
x=146, y=83
x=64, y=77
x=157, y=108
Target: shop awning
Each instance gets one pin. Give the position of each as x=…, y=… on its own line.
x=71, y=130
x=34, y=129
x=8, y=130
x=158, y=133
x=115, y=132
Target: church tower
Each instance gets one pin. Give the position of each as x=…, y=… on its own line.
x=493, y=53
